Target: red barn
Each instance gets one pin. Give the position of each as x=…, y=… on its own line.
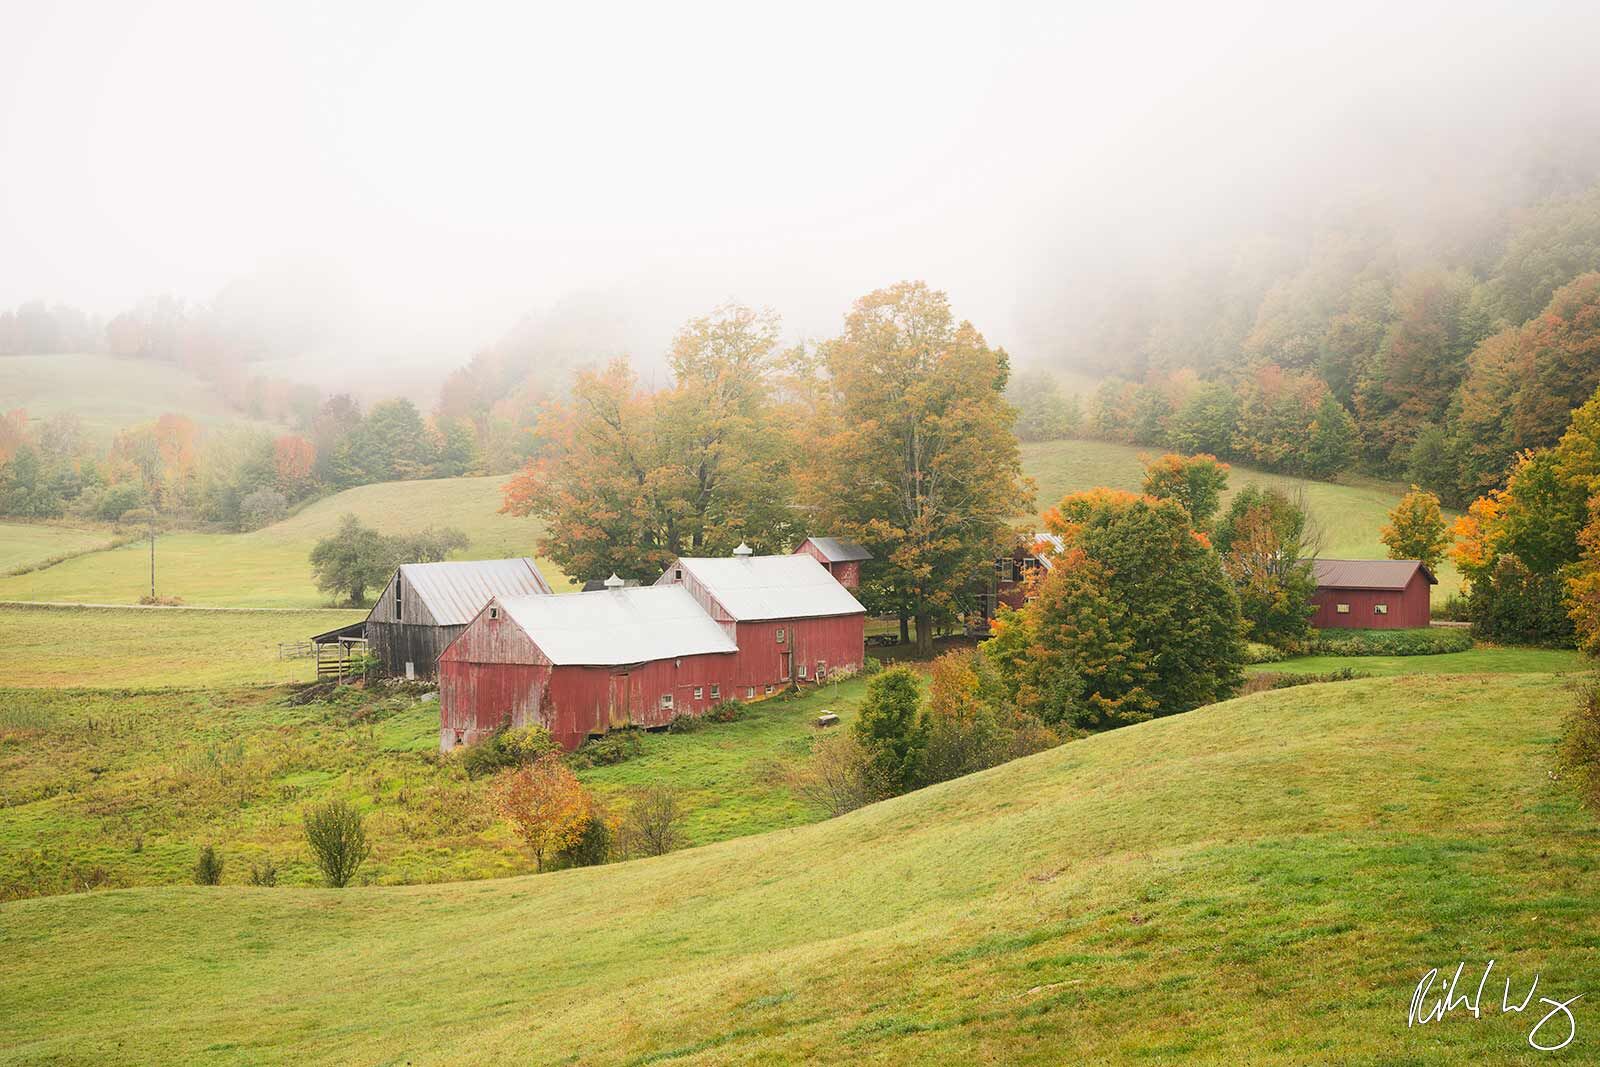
x=843, y=559
x=790, y=617
x=1372, y=594
x=584, y=663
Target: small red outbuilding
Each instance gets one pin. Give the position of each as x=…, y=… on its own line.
x=1372, y=594
x=842, y=558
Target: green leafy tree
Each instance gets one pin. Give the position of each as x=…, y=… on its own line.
x=353, y=559
x=1206, y=421
x=1195, y=482
x=1416, y=529
x=914, y=451
x=337, y=837
x=890, y=728
x=1136, y=619
x=1332, y=447
x=1265, y=551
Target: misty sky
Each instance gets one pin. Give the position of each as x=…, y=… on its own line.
x=441, y=169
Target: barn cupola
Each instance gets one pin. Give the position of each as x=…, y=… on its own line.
x=614, y=582
x=744, y=551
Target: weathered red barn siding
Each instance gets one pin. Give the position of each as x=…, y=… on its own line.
x=838, y=642
x=846, y=572
x=1408, y=608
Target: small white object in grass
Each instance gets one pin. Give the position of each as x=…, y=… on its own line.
x=827, y=718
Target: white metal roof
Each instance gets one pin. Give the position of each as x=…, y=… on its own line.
x=839, y=550
x=456, y=590
x=752, y=588
x=615, y=626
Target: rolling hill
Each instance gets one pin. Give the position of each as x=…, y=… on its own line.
x=269, y=568
x=1264, y=880
x=109, y=394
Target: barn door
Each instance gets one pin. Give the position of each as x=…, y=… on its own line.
x=788, y=666
x=620, y=706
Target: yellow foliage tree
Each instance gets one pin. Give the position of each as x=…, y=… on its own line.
x=546, y=805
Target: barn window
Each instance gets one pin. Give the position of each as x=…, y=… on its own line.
x=768, y=690
x=802, y=672
x=697, y=692
x=716, y=692
x=677, y=574
x=494, y=613
x=666, y=701
x=749, y=692
x=822, y=670
x=780, y=635
x=1380, y=609
x=1342, y=609
x=397, y=596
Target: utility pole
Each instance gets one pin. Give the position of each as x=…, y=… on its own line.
x=152, y=563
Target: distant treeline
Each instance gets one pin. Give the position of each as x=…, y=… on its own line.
x=1439, y=354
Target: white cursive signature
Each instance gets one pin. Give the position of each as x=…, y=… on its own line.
x=1425, y=1008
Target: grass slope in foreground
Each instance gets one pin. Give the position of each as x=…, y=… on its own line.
x=271, y=568
x=1349, y=513
x=1263, y=880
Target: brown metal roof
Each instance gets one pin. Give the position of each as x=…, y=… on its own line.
x=1369, y=573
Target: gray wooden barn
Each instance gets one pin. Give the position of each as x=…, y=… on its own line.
x=425, y=605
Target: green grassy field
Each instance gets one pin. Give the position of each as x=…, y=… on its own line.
x=147, y=647
x=270, y=567
x=1486, y=659
x=1263, y=880
x=124, y=392
x=28, y=544
x=1349, y=515
x=127, y=786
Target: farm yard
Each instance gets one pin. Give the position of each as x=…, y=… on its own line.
x=1297, y=858
x=122, y=787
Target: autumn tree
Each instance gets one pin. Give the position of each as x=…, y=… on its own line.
x=912, y=452
x=1416, y=529
x=1266, y=550
x=546, y=805
x=1135, y=619
x=629, y=479
x=1195, y=482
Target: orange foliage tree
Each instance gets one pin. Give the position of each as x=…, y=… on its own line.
x=546, y=805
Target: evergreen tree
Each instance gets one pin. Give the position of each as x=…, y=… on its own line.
x=891, y=728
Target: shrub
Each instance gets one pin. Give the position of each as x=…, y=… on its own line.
x=1513, y=605
x=871, y=666
x=338, y=840
x=592, y=846
x=1256, y=652
x=652, y=825
x=726, y=711
x=208, y=867
x=891, y=729
x=1265, y=680
x=618, y=746
x=509, y=746
x=837, y=778
x=263, y=874
x=546, y=805
x=1426, y=642
x=1454, y=608
x=1578, y=759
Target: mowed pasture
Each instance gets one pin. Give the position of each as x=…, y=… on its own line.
x=271, y=567
x=1260, y=881
x=123, y=788
x=142, y=648
x=109, y=394
x=30, y=544
x=1348, y=514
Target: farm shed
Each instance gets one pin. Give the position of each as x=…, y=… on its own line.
x=1007, y=583
x=841, y=558
x=426, y=605
x=583, y=663
x=790, y=617
x=1372, y=594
